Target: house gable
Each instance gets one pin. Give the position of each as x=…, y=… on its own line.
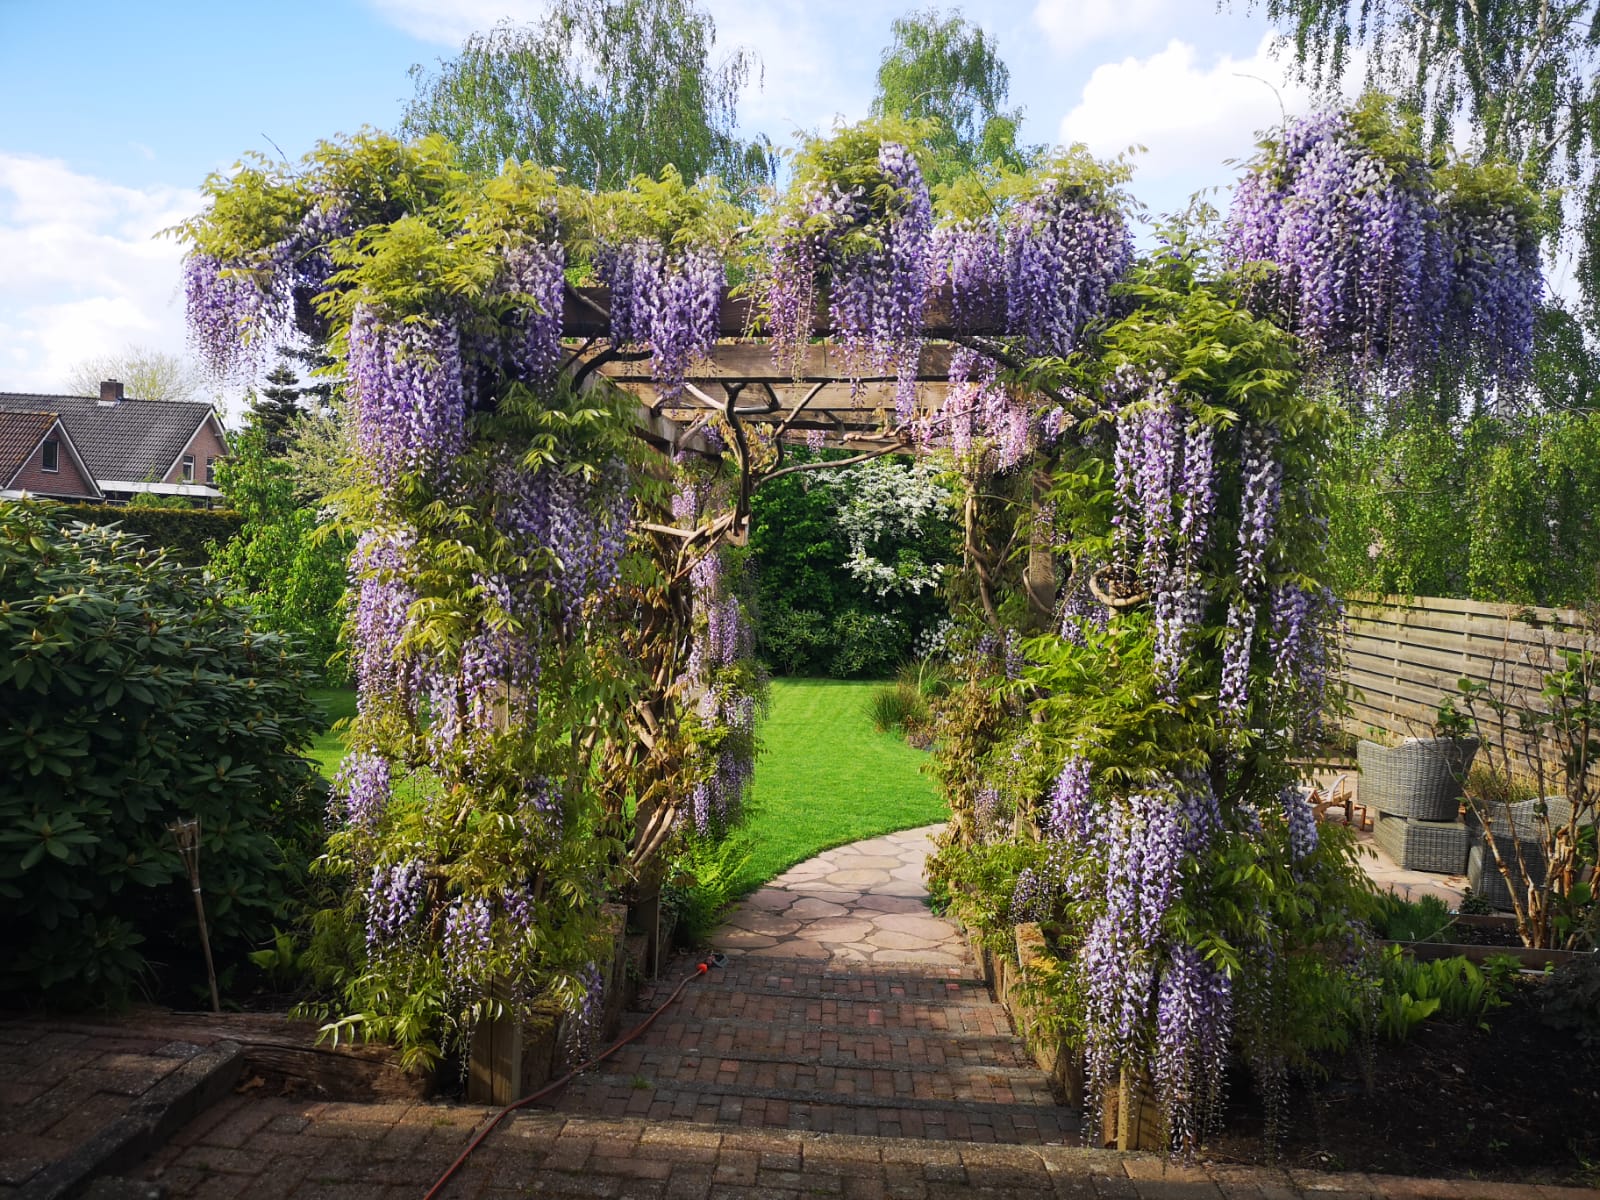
x=32, y=476
x=206, y=446
x=131, y=446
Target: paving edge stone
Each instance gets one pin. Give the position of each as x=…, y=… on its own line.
x=153, y=1118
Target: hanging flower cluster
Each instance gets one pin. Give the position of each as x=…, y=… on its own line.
x=720, y=672
x=1165, y=485
x=535, y=269
x=1064, y=250
x=669, y=301
x=410, y=410
x=870, y=239
x=1038, y=276
x=1384, y=267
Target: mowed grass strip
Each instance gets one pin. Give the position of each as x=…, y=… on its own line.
x=327, y=750
x=826, y=777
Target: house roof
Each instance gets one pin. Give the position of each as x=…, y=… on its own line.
x=20, y=435
x=133, y=439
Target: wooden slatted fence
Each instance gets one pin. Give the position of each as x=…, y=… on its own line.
x=1403, y=655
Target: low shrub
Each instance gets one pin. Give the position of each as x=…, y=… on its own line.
x=866, y=645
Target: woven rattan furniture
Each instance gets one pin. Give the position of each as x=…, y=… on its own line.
x=1437, y=846
x=1419, y=779
x=1484, y=877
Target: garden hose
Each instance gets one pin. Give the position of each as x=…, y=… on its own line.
x=703, y=966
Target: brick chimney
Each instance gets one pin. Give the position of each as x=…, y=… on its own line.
x=110, y=392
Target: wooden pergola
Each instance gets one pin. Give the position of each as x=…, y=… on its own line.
x=741, y=380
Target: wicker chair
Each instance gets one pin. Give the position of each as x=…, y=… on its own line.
x=1420, y=779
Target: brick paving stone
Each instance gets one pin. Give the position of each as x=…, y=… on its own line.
x=780, y=1076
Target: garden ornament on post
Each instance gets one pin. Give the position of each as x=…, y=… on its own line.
x=187, y=835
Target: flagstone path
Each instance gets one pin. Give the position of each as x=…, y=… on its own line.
x=865, y=902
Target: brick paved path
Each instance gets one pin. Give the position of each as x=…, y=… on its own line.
x=732, y=1095
x=59, y=1086
x=856, y=1048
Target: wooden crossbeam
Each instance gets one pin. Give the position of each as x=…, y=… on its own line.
x=751, y=362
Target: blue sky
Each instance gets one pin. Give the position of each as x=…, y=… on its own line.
x=112, y=114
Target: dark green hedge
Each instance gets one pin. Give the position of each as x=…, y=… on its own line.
x=182, y=531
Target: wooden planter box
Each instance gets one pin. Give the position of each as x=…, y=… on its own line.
x=1531, y=960
x=511, y=1058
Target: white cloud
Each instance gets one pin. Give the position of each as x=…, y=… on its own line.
x=85, y=274
x=448, y=22
x=1189, y=116
x=1071, y=25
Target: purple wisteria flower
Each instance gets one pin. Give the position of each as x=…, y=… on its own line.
x=380, y=572
x=1071, y=816
x=410, y=409
x=393, y=901
x=361, y=790
x=582, y=1026
x=1194, y=1023
x=1063, y=254
x=670, y=301
x=536, y=270
x=1376, y=267
x=468, y=940
x=1302, y=822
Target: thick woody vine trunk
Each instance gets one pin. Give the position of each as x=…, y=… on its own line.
x=1039, y=578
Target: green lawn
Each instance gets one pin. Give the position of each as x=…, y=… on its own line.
x=826, y=777
x=328, y=748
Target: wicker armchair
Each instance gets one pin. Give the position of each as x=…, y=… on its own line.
x=1420, y=779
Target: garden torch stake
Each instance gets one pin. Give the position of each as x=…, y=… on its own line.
x=187, y=834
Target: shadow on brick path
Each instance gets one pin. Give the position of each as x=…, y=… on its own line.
x=838, y=1054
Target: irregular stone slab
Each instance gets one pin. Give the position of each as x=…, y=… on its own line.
x=822, y=890
x=901, y=887
x=814, y=908
x=764, y=922
x=729, y=938
x=884, y=862
x=769, y=899
x=875, y=902
x=893, y=939
x=935, y=928
x=855, y=952
x=863, y=880
x=838, y=929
